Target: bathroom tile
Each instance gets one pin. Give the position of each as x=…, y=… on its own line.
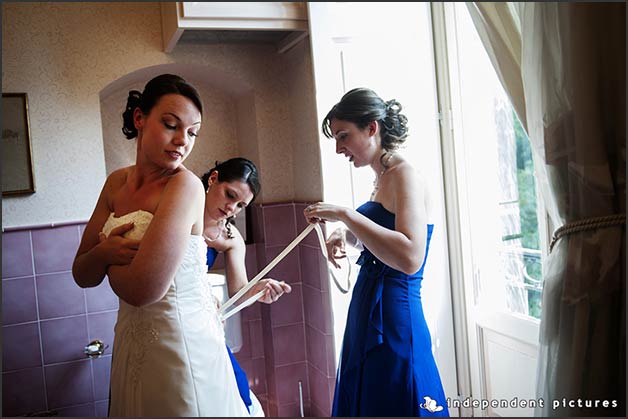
x=256, y=215
x=23, y=392
x=101, y=326
x=80, y=411
x=331, y=356
x=271, y=407
x=267, y=336
x=288, y=344
x=245, y=347
x=101, y=368
x=102, y=408
x=279, y=224
x=250, y=260
x=253, y=312
x=17, y=257
x=311, y=239
x=18, y=301
x=287, y=379
x=269, y=364
x=263, y=400
x=289, y=410
x=320, y=392
x=287, y=269
x=310, y=267
x=64, y=339
x=260, y=256
x=59, y=296
x=69, y=384
x=256, y=374
x=101, y=298
x=316, y=411
x=317, y=309
x=288, y=309
x=256, y=339
x=325, y=276
x=54, y=248
x=316, y=348
x=20, y=346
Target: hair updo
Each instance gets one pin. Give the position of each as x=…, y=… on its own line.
x=363, y=106
x=237, y=169
x=156, y=88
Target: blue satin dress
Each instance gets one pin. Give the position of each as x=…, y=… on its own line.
x=240, y=375
x=386, y=365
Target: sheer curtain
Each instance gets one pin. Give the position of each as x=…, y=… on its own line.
x=564, y=67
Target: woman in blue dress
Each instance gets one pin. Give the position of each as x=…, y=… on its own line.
x=230, y=186
x=386, y=366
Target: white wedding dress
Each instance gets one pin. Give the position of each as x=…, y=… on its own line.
x=169, y=357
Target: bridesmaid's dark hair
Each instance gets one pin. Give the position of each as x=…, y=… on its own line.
x=156, y=88
x=237, y=169
x=363, y=106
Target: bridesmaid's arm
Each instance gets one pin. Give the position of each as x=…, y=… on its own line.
x=235, y=267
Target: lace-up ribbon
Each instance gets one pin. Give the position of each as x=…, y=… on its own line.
x=321, y=240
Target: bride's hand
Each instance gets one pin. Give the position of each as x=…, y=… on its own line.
x=117, y=249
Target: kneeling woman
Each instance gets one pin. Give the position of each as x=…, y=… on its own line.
x=231, y=186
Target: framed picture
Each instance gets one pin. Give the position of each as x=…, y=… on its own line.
x=17, y=162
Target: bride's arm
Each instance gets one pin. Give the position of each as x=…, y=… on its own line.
x=94, y=255
x=180, y=213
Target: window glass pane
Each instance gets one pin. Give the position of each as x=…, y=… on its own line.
x=500, y=183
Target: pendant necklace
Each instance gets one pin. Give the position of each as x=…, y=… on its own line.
x=378, y=177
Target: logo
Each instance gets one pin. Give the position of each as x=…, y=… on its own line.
x=431, y=405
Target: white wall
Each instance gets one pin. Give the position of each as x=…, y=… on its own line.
x=64, y=54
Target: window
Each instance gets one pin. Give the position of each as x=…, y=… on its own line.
x=502, y=206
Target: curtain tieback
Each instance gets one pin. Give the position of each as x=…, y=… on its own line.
x=591, y=223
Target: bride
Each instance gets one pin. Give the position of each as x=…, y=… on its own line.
x=169, y=355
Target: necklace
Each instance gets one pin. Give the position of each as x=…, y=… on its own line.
x=381, y=173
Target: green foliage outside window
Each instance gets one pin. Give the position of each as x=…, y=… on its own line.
x=528, y=212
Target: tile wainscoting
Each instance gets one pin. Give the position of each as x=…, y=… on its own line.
x=48, y=320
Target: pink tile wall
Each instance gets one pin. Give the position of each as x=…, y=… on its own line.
x=297, y=330
x=47, y=321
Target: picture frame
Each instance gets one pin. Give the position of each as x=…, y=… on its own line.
x=17, y=160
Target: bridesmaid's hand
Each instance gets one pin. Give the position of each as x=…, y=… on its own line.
x=321, y=212
x=336, y=246
x=117, y=249
x=274, y=289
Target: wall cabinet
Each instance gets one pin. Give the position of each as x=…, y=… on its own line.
x=286, y=20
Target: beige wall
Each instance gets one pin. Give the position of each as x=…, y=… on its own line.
x=63, y=55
